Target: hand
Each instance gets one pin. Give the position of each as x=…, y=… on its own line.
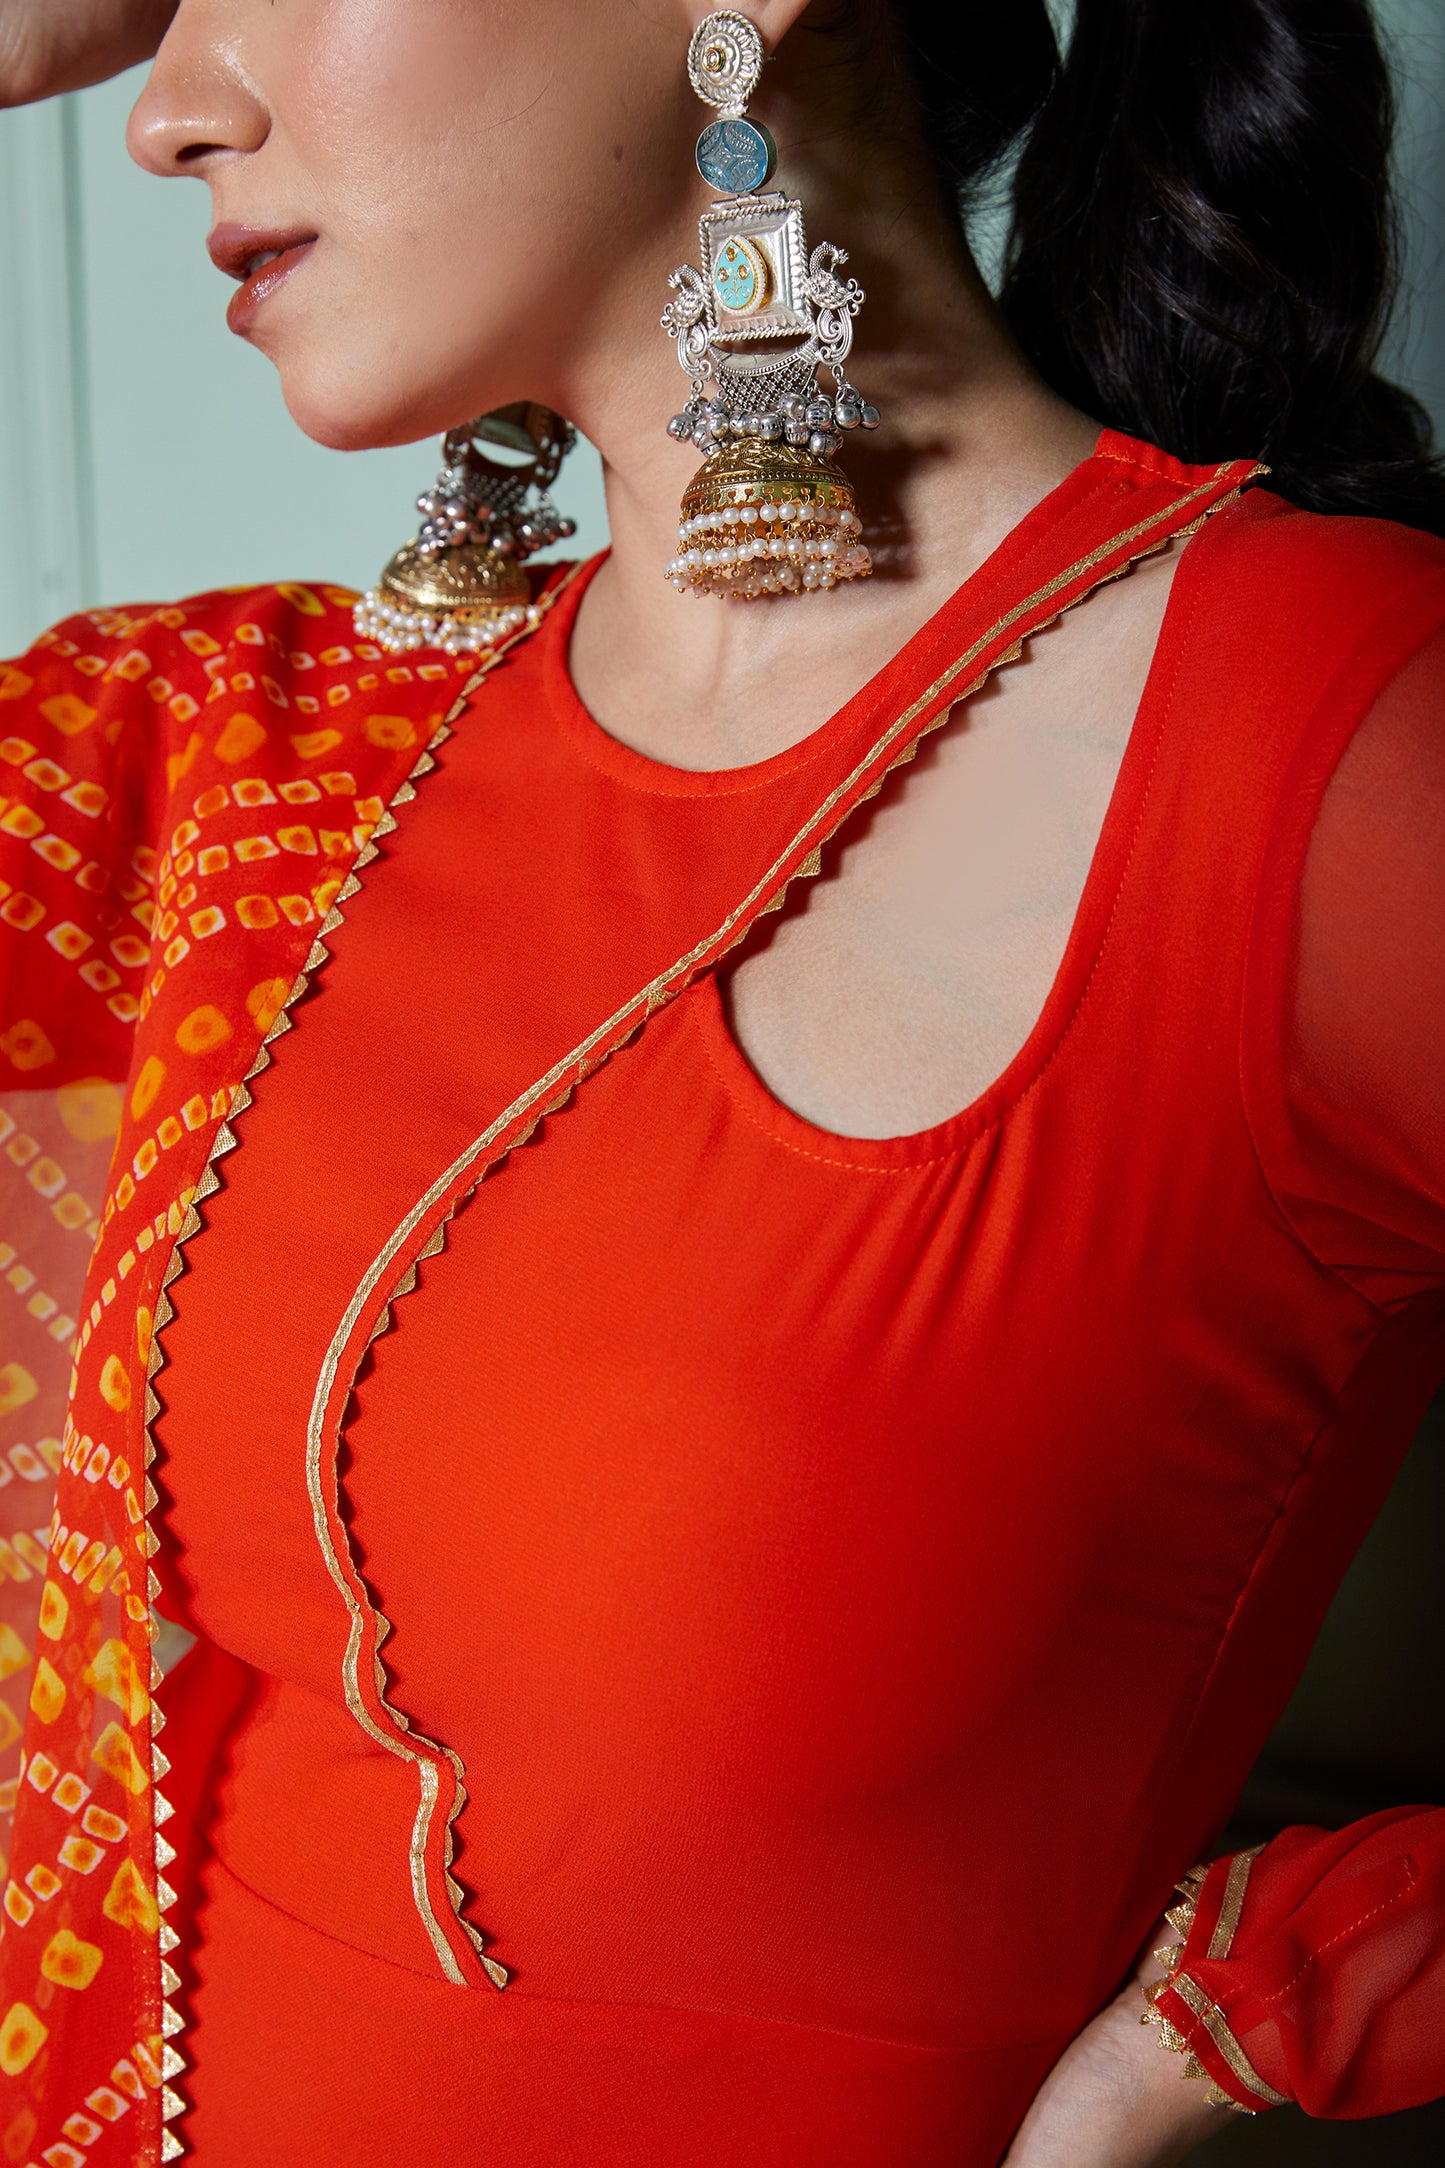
x=1116, y=2098
x=48, y=46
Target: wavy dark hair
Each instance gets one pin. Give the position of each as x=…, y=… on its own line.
x=1204, y=248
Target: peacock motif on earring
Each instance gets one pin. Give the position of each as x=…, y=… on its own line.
x=769, y=511
x=460, y=585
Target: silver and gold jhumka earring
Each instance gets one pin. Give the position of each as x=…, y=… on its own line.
x=460, y=585
x=768, y=512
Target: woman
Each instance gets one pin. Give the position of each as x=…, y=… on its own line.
x=828, y=1525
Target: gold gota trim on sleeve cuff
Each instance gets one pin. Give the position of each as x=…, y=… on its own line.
x=1182, y=1917
x=1236, y=1884
x=1217, y=2026
x=172, y=2063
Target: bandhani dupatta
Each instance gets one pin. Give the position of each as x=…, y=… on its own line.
x=181, y=814
x=228, y=827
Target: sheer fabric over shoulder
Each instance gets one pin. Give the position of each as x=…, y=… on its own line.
x=1366, y=1013
x=648, y=1557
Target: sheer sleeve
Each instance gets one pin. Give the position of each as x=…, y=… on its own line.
x=1365, y=1033
x=1314, y=1970
x=1352, y=1031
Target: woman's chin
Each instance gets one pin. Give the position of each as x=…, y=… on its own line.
x=358, y=417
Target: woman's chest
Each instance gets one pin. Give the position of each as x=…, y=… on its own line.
x=722, y=1496
x=690, y=1396
x=898, y=986
x=695, y=1421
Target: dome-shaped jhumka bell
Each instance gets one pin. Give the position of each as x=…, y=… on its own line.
x=466, y=600
x=763, y=518
x=460, y=585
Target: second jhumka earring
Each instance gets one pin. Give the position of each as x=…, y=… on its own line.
x=460, y=585
x=768, y=511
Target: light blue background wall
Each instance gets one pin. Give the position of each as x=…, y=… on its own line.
x=145, y=453
x=1416, y=352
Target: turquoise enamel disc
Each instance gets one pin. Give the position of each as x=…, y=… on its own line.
x=736, y=156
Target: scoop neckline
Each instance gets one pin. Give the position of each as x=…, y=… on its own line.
x=1113, y=853
x=637, y=771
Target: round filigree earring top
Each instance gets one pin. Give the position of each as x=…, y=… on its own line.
x=724, y=62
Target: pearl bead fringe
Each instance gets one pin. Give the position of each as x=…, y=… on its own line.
x=746, y=551
x=400, y=631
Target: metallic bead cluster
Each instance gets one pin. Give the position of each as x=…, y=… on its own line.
x=810, y=421
x=798, y=546
x=452, y=513
x=400, y=631
x=455, y=512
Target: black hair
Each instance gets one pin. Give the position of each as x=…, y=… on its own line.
x=1204, y=247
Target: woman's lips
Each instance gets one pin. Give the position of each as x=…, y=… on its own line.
x=260, y=260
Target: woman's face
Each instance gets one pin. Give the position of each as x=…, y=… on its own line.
x=484, y=196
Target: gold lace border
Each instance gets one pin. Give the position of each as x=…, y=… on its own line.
x=421, y=1234
x=225, y=1140
x=1183, y=1916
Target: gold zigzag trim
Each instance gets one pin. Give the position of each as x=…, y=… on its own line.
x=552, y=1091
x=225, y=1140
x=1181, y=1917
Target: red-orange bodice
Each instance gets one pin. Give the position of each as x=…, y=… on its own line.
x=784, y=1608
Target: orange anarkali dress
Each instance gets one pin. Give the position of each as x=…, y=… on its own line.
x=715, y=1640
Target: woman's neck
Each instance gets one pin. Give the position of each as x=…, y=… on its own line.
x=971, y=441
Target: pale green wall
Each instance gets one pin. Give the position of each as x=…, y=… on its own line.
x=145, y=453
x=201, y=477
x=151, y=446
x=1417, y=350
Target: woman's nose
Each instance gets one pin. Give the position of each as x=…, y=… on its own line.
x=197, y=103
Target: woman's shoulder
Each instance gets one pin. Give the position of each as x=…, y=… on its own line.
x=1315, y=576
x=270, y=676
x=278, y=633
x=1308, y=673
x=168, y=772
x=252, y=721
x=201, y=626
x=1292, y=624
